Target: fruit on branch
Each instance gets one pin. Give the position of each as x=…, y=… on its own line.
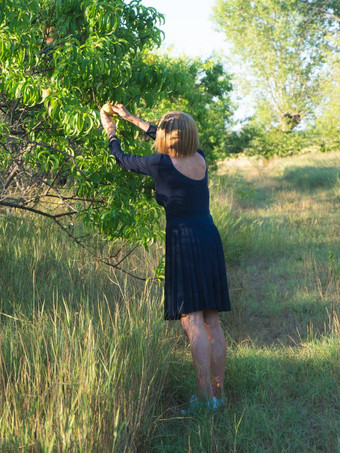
x=51, y=33
x=45, y=93
x=107, y=109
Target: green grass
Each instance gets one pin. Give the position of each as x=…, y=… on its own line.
x=308, y=178
x=88, y=364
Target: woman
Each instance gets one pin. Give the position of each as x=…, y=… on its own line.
x=195, y=277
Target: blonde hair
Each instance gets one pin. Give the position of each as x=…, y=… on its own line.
x=176, y=135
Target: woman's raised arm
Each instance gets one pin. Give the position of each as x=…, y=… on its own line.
x=120, y=110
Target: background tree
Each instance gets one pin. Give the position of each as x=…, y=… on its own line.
x=328, y=117
x=60, y=60
x=324, y=9
x=284, y=45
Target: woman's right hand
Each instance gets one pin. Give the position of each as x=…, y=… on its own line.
x=120, y=110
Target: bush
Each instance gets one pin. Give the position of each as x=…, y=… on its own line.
x=256, y=140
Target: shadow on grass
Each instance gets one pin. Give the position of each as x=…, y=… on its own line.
x=281, y=300
x=278, y=400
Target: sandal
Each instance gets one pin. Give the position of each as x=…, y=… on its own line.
x=196, y=405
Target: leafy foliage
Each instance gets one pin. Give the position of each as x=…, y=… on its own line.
x=59, y=61
x=203, y=91
x=256, y=140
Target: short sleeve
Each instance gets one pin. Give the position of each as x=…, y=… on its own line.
x=146, y=165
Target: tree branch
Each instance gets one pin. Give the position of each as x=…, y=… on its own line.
x=76, y=240
x=45, y=145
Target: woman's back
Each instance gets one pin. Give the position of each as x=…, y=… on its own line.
x=182, y=186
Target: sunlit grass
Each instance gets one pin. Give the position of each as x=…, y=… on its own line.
x=88, y=364
x=82, y=379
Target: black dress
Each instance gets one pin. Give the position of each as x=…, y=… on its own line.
x=195, y=274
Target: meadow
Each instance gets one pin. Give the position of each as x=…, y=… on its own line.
x=87, y=363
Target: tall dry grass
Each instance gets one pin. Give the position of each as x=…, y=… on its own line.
x=88, y=364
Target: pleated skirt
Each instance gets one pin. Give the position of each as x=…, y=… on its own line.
x=195, y=272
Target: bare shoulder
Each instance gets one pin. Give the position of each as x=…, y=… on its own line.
x=193, y=167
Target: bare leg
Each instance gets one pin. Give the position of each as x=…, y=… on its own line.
x=194, y=326
x=218, y=350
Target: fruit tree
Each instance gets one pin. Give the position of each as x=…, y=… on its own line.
x=60, y=61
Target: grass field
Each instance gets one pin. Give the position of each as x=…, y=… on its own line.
x=87, y=363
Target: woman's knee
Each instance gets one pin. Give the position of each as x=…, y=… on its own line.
x=190, y=321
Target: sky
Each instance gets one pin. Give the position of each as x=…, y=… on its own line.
x=188, y=27
x=189, y=30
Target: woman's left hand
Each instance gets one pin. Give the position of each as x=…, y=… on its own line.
x=107, y=123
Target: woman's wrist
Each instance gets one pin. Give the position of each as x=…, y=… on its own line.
x=110, y=129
